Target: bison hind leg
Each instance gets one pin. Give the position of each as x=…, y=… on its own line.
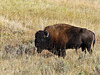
x=89, y=50
x=76, y=50
x=84, y=49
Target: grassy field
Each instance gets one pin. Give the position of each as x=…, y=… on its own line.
x=20, y=19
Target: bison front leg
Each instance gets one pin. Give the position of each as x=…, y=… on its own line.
x=62, y=53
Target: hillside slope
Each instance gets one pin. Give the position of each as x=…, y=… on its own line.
x=20, y=19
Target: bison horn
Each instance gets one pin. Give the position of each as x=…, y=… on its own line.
x=47, y=34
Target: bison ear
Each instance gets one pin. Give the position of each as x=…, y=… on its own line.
x=46, y=34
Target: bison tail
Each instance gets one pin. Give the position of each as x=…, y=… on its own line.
x=93, y=39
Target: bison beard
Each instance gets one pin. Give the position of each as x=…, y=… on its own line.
x=58, y=37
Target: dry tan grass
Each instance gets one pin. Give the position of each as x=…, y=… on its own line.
x=20, y=19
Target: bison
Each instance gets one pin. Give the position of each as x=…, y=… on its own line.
x=59, y=37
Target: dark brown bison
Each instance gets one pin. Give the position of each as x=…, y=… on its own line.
x=58, y=37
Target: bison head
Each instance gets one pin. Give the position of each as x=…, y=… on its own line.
x=41, y=40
